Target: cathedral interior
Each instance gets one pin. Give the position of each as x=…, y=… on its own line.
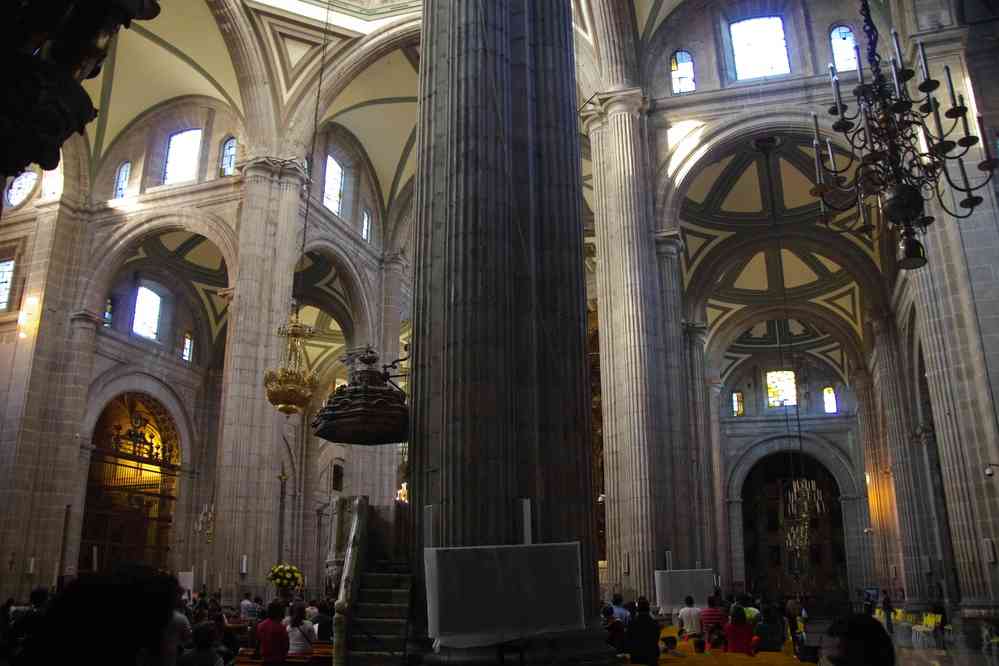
x=589, y=232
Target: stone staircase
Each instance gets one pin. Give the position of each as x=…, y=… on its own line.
x=379, y=625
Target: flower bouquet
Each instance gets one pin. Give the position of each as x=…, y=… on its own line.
x=285, y=577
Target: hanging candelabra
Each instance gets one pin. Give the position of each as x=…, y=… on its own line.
x=901, y=148
x=290, y=387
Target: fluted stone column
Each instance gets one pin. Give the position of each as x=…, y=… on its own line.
x=250, y=450
x=698, y=458
x=496, y=420
x=880, y=495
x=913, y=521
x=635, y=408
x=723, y=556
x=669, y=245
x=944, y=569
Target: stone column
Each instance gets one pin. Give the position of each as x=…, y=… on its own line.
x=496, y=420
x=737, y=553
x=675, y=469
x=880, y=495
x=859, y=560
x=635, y=417
x=251, y=449
x=698, y=458
x=723, y=555
x=914, y=530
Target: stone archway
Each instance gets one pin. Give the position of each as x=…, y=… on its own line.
x=132, y=485
x=852, y=498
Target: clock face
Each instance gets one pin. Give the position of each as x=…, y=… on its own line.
x=21, y=188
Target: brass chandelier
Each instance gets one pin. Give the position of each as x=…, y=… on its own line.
x=290, y=387
x=901, y=147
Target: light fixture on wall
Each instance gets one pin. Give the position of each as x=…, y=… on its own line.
x=901, y=161
x=26, y=318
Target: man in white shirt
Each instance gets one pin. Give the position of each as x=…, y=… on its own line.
x=690, y=618
x=247, y=609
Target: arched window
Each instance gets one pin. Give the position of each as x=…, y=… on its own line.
x=738, y=404
x=227, y=157
x=843, y=48
x=759, y=48
x=333, y=188
x=183, y=152
x=366, y=225
x=6, y=280
x=108, y=313
x=187, y=352
x=782, y=389
x=681, y=67
x=829, y=400
x=147, y=313
x=121, y=179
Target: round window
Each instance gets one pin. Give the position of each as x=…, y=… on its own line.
x=21, y=188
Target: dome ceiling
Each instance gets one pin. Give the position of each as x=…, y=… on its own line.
x=791, y=336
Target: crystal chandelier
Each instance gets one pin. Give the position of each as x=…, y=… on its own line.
x=902, y=148
x=290, y=387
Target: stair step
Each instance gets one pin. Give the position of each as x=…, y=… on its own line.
x=386, y=581
x=375, y=658
x=379, y=626
x=376, y=642
x=366, y=610
x=389, y=566
x=380, y=596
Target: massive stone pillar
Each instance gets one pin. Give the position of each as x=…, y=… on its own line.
x=500, y=389
x=635, y=418
x=251, y=446
x=912, y=516
x=723, y=554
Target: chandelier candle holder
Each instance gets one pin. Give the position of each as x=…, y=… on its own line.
x=290, y=387
x=902, y=148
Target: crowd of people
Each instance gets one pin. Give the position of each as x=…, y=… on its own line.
x=160, y=626
x=741, y=625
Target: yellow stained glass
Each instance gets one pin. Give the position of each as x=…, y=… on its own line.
x=782, y=390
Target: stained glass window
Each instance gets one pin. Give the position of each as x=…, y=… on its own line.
x=121, y=179
x=108, y=313
x=759, y=48
x=333, y=189
x=366, y=225
x=183, y=153
x=6, y=280
x=21, y=188
x=738, y=404
x=843, y=44
x=782, y=389
x=147, y=313
x=227, y=160
x=829, y=400
x=681, y=67
x=187, y=353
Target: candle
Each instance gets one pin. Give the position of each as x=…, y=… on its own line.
x=818, y=162
x=832, y=157
x=839, y=98
x=894, y=77
x=898, y=47
x=815, y=126
x=860, y=64
x=922, y=61
x=863, y=208
x=936, y=117
x=985, y=139
x=950, y=86
x=964, y=117
x=868, y=135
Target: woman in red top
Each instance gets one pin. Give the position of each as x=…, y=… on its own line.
x=272, y=636
x=739, y=633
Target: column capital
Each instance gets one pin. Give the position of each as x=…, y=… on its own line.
x=275, y=167
x=697, y=330
x=669, y=242
x=84, y=319
x=600, y=106
x=397, y=260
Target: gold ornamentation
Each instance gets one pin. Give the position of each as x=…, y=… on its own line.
x=290, y=387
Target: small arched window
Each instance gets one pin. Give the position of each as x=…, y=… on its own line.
x=121, y=177
x=829, y=400
x=183, y=152
x=681, y=67
x=366, y=225
x=844, y=46
x=759, y=48
x=6, y=281
x=227, y=157
x=738, y=404
x=333, y=187
x=187, y=351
